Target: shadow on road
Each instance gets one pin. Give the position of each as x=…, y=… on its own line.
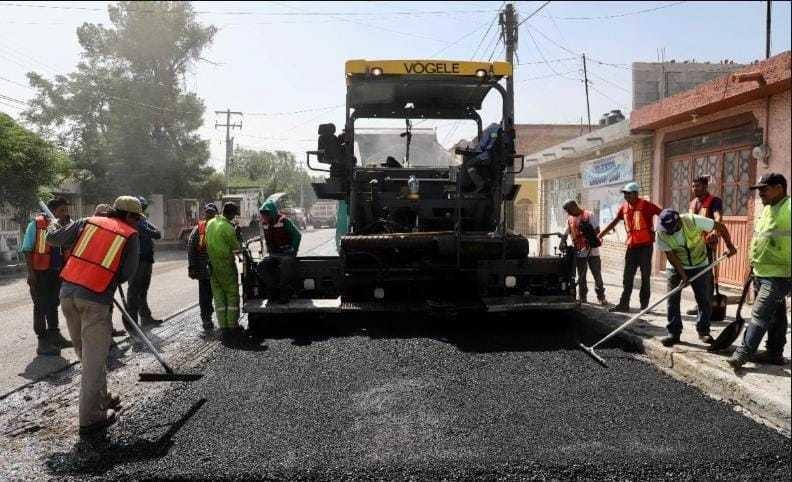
x=42, y=366
x=98, y=456
x=476, y=333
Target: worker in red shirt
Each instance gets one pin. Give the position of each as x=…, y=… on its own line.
x=637, y=215
x=709, y=206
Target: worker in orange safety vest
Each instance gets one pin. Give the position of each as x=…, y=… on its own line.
x=198, y=265
x=104, y=254
x=637, y=214
x=43, y=265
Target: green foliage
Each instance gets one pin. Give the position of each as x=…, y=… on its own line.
x=273, y=172
x=28, y=165
x=211, y=185
x=122, y=114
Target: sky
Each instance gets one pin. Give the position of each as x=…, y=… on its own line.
x=282, y=63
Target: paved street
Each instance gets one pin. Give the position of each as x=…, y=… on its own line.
x=170, y=291
x=392, y=397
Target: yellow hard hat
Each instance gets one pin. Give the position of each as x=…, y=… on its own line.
x=129, y=204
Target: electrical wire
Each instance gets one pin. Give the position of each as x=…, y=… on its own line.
x=531, y=15
x=414, y=13
x=614, y=84
x=620, y=15
x=294, y=112
x=368, y=25
x=560, y=74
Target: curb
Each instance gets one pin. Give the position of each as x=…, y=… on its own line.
x=712, y=378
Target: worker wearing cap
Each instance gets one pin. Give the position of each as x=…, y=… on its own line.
x=770, y=260
x=104, y=254
x=44, y=263
x=198, y=265
x=637, y=215
x=582, y=226
x=283, y=241
x=139, y=285
x=682, y=238
x=222, y=246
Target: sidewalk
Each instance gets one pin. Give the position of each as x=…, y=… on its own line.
x=764, y=391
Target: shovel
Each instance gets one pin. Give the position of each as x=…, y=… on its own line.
x=733, y=329
x=719, y=303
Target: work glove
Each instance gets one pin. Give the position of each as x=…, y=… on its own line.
x=192, y=272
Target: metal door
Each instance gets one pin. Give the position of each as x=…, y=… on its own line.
x=731, y=172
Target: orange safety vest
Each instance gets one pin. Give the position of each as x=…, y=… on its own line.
x=703, y=209
x=202, y=236
x=96, y=255
x=42, y=252
x=574, y=229
x=639, y=229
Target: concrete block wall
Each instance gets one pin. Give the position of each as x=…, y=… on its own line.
x=653, y=81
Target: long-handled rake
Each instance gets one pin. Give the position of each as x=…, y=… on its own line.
x=590, y=349
x=169, y=375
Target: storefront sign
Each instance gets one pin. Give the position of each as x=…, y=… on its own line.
x=604, y=203
x=616, y=168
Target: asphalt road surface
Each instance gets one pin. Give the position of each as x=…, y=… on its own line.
x=392, y=397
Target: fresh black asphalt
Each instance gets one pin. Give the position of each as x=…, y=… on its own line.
x=401, y=398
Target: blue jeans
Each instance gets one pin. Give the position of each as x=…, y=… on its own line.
x=702, y=290
x=768, y=316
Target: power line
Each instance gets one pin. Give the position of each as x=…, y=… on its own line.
x=294, y=112
x=405, y=13
x=616, y=102
x=531, y=15
x=614, y=84
x=563, y=59
x=453, y=130
x=451, y=44
x=619, y=15
x=560, y=74
x=16, y=83
x=12, y=99
x=368, y=25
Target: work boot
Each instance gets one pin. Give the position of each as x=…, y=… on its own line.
x=692, y=312
x=706, y=339
x=56, y=339
x=46, y=347
x=768, y=358
x=207, y=325
x=98, y=427
x=151, y=322
x=738, y=359
x=669, y=340
x=619, y=309
x=603, y=301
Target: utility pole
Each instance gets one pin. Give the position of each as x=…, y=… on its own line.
x=229, y=140
x=767, y=34
x=509, y=28
x=586, y=82
x=508, y=23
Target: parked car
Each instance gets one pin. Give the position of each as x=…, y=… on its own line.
x=323, y=213
x=297, y=216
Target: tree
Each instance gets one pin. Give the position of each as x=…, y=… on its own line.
x=271, y=171
x=123, y=115
x=28, y=165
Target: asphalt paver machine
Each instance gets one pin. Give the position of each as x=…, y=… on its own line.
x=420, y=239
